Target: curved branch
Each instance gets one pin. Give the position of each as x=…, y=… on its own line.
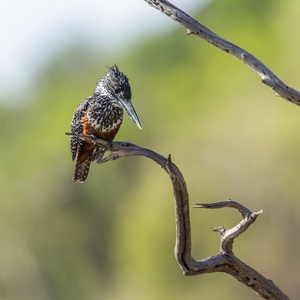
x=225, y=261
x=228, y=236
x=194, y=27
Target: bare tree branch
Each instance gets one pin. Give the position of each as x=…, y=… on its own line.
x=194, y=27
x=225, y=261
x=228, y=236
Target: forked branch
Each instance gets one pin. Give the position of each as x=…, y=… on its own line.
x=225, y=261
x=228, y=236
x=194, y=27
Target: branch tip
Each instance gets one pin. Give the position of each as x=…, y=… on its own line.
x=254, y=215
x=220, y=229
x=170, y=164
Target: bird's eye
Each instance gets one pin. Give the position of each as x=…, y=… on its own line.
x=117, y=90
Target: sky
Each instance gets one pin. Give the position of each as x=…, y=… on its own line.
x=33, y=31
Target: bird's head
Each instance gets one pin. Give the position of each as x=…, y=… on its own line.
x=116, y=86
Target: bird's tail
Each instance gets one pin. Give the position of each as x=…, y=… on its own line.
x=81, y=171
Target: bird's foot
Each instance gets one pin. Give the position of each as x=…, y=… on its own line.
x=110, y=143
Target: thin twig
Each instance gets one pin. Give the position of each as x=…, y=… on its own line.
x=228, y=236
x=244, y=211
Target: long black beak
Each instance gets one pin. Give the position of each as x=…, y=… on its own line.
x=127, y=105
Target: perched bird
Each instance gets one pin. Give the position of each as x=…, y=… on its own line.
x=101, y=115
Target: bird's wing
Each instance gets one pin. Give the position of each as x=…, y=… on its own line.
x=77, y=127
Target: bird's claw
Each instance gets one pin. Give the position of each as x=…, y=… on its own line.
x=110, y=143
x=93, y=139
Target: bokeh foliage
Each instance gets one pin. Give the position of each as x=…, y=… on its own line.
x=113, y=236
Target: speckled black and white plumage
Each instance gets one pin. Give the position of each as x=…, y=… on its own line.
x=100, y=114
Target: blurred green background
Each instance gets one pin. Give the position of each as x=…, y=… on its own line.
x=113, y=236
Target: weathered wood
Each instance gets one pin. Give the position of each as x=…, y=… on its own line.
x=225, y=261
x=194, y=27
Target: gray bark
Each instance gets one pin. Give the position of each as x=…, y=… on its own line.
x=225, y=261
x=194, y=27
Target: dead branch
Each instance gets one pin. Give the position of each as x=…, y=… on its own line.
x=194, y=27
x=225, y=261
